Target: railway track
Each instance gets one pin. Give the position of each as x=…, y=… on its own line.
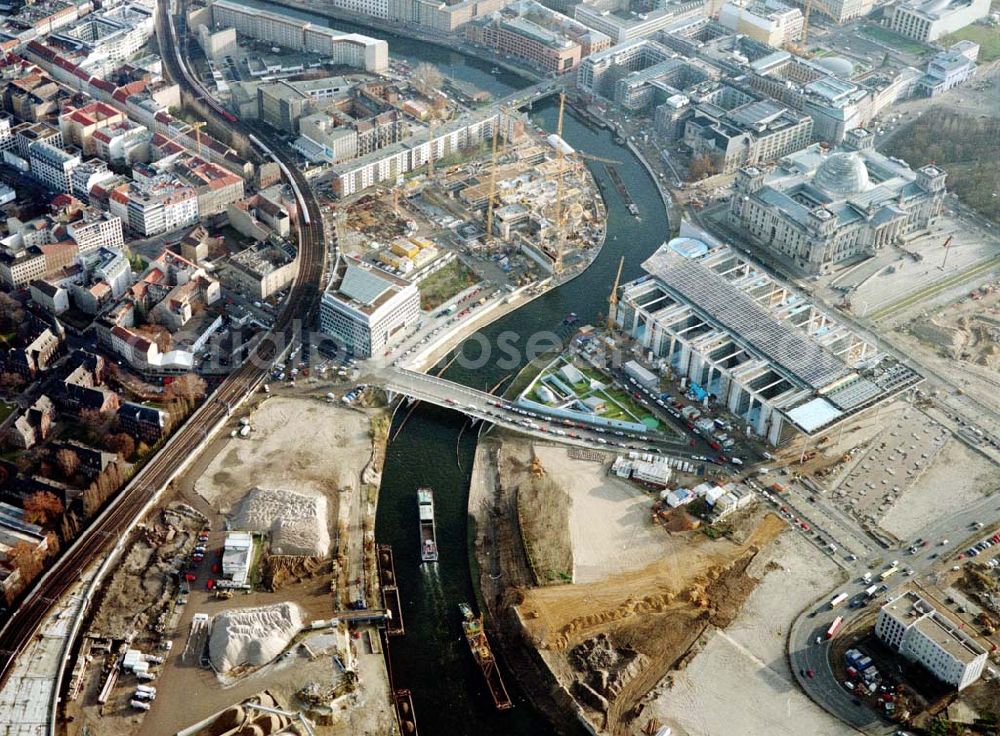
x=123, y=511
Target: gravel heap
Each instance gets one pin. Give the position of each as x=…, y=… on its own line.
x=252, y=636
x=297, y=522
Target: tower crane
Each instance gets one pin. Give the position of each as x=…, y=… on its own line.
x=947, y=245
x=613, y=296
x=557, y=265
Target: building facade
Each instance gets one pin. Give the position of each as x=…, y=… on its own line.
x=817, y=208
x=366, y=308
x=914, y=628
x=928, y=20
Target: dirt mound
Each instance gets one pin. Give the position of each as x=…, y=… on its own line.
x=252, y=636
x=626, y=633
x=297, y=522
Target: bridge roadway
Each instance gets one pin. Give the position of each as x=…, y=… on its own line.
x=123, y=511
x=490, y=408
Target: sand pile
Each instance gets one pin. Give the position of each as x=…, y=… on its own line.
x=252, y=636
x=297, y=522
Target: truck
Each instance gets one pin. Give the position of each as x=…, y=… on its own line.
x=872, y=590
x=888, y=573
x=138, y=704
x=838, y=599
x=835, y=627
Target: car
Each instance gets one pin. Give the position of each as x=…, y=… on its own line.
x=810, y=674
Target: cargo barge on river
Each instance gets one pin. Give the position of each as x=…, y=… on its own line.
x=428, y=534
x=479, y=645
x=390, y=593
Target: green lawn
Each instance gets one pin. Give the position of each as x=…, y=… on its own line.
x=891, y=38
x=5, y=410
x=987, y=38
x=443, y=284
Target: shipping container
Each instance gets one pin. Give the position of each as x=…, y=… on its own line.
x=838, y=599
x=835, y=627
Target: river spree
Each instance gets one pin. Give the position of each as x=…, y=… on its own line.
x=436, y=447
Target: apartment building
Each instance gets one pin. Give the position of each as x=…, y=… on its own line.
x=527, y=41
x=262, y=269
x=366, y=308
x=19, y=269
x=95, y=229
x=86, y=176
x=600, y=72
x=260, y=22
x=79, y=124
x=914, y=628
x=159, y=206
x=145, y=423
x=217, y=187
x=928, y=20
x=122, y=143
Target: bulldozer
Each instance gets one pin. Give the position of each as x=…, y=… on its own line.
x=536, y=467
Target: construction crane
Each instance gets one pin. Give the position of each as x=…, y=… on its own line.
x=613, y=296
x=430, y=147
x=805, y=25
x=491, y=196
x=557, y=265
x=947, y=246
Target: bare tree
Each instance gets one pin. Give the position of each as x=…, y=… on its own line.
x=188, y=386
x=427, y=79
x=11, y=312
x=11, y=381
x=24, y=558
x=121, y=443
x=42, y=507
x=68, y=462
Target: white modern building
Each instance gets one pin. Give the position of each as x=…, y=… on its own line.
x=914, y=628
x=96, y=229
x=52, y=166
x=288, y=31
x=928, y=20
x=949, y=69
x=158, y=206
x=237, y=554
x=366, y=308
x=768, y=21
x=780, y=364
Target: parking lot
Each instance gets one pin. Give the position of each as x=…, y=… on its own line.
x=891, y=464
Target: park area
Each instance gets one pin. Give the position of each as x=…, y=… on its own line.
x=445, y=283
x=581, y=389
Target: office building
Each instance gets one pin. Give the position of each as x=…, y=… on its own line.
x=782, y=365
x=365, y=308
x=819, y=208
x=601, y=73
x=261, y=270
x=948, y=69
x=914, y=628
x=840, y=11
x=928, y=20
x=628, y=20
x=157, y=206
x=94, y=229
x=768, y=21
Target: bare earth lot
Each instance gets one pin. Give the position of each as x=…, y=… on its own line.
x=741, y=675
x=299, y=444
x=958, y=476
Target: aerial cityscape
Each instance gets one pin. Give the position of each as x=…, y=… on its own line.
x=500, y=367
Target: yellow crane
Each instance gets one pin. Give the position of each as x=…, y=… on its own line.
x=613, y=296
x=557, y=265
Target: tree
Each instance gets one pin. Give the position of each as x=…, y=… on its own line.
x=11, y=312
x=24, y=559
x=121, y=443
x=701, y=167
x=42, y=507
x=427, y=79
x=68, y=462
x=11, y=381
x=188, y=386
x=96, y=422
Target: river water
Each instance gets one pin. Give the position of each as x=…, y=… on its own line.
x=436, y=447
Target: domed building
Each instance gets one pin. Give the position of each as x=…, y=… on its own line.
x=820, y=207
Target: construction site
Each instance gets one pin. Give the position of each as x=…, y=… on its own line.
x=609, y=601
x=245, y=598
x=514, y=211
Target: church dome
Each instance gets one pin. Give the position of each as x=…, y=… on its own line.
x=842, y=174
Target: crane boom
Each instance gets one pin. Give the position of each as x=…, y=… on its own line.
x=613, y=296
x=493, y=187
x=560, y=225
